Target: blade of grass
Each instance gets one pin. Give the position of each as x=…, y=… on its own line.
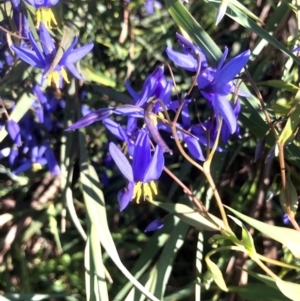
x=155, y=244
x=95, y=205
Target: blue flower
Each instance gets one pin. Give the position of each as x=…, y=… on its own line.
x=43, y=11
x=90, y=118
x=154, y=225
x=216, y=84
x=189, y=59
x=43, y=59
x=145, y=169
x=39, y=156
x=44, y=107
x=150, y=4
x=155, y=86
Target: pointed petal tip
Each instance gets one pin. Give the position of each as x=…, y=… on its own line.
x=125, y=196
x=90, y=118
x=157, y=224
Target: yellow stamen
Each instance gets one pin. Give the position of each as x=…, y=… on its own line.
x=64, y=74
x=54, y=76
x=36, y=166
x=137, y=192
x=153, y=187
x=46, y=15
x=147, y=189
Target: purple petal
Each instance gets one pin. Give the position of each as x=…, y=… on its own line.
x=223, y=58
x=49, y=3
x=141, y=156
x=185, y=115
x=286, y=219
x=34, y=153
x=14, y=131
x=154, y=225
x=23, y=167
x=72, y=69
x=194, y=148
x=132, y=93
x=36, y=48
x=47, y=41
x=156, y=166
x=90, y=118
x=129, y=110
x=149, y=6
x=13, y=155
x=85, y=110
x=125, y=196
x=39, y=94
x=69, y=49
x=186, y=44
x=231, y=69
x=223, y=108
x=185, y=61
x=77, y=54
x=41, y=151
x=114, y=128
x=121, y=161
x=28, y=56
x=131, y=125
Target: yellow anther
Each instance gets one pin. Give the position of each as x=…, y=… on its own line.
x=64, y=74
x=137, y=192
x=153, y=187
x=46, y=15
x=161, y=115
x=147, y=189
x=54, y=76
x=36, y=166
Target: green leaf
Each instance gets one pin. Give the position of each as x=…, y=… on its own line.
x=257, y=291
x=153, y=247
x=245, y=10
x=279, y=84
x=165, y=262
x=100, y=287
x=247, y=240
x=90, y=74
x=186, y=21
x=234, y=13
x=35, y=297
x=53, y=226
x=290, y=126
x=216, y=273
x=293, y=197
x=288, y=237
x=95, y=205
x=289, y=289
x=192, y=217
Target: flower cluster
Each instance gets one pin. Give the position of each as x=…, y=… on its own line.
x=148, y=115
x=45, y=57
x=31, y=148
x=30, y=144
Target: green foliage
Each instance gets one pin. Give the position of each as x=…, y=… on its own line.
x=64, y=237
